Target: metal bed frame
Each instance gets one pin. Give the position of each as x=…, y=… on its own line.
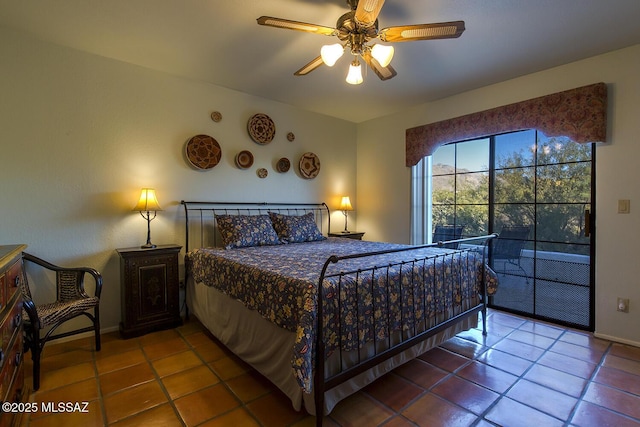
x=205, y=211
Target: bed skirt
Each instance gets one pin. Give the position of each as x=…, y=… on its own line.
x=268, y=348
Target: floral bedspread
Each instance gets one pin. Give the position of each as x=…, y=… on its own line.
x=280, y=282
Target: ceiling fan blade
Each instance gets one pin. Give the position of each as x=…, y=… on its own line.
x=367, y=11
x=407, y=33
x=296, y=25
x=315, y=63
x=384, y=73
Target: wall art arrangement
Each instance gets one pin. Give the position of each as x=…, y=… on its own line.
x=203, y=152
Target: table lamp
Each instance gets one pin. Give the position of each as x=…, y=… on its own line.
x=148, y=203
x=345, y=206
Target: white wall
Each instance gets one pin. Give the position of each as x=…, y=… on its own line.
x=81, y=134
x=384, y=198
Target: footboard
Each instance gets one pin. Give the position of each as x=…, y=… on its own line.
x=382, y=303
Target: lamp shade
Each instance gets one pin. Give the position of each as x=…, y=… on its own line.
x=354, y=77
x=345, y=204
x=383, y=54
x=331, y=53
x=148, y=201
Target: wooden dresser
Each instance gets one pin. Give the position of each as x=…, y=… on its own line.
x=12, y=385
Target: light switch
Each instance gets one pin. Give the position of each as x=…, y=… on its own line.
x=624, y=206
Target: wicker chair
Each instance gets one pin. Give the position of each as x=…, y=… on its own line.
x=72, y=301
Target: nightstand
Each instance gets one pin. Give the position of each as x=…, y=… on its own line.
x=150, y=289
x=349, y=235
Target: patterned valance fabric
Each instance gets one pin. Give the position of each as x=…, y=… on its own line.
x=580, y=114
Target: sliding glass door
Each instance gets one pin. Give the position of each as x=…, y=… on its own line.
x=537, y=193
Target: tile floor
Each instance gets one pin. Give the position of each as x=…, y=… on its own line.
x=524, y=373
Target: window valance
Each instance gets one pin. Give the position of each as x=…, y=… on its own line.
x=580, y=114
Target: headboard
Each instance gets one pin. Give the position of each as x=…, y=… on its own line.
x=200, y=222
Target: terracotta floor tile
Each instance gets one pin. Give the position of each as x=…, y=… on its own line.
x=229, y=367
x=158, y=337
x=463, y=347
x=133, y=400
x=487, y=376
x=618, y=379
x=431, y=410
x=532, y=339
x=86, y=390
x=249, y=386
x=454, y=384
x=210, y=351
x=542, y=329
x=91, y=418
x=578, y=352
x=556, y=380
x=421, y=373
x=505, y=361
x=160, y=416
x=585, y=339
x=444, y=359
x=625, y=351
x=622, y=363
x=65, y=376
x=613, y=399
x=508, y=412
x=520, y=349
x=238, y=417
x=64, y=360
x=116, y=345
x=188, y=381
x=176, y=363
x=120, y=360
x=394, y=391
x=590, y=415
x=205, y=404
x=360, y=410
x=470, y=396
x=568, y=364
x=544, y=399
x=121, y=379
x=165, y=348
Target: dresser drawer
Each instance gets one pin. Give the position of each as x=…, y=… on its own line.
x=13, y=279
x=12, y=361
x=11, y=325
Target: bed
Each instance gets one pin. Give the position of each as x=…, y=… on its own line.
x=253, y=272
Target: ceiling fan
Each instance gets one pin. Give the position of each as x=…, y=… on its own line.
x=356, y=29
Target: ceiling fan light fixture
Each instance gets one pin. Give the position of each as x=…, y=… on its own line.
x=354, y=77
x=330, y=53
x=383, y=54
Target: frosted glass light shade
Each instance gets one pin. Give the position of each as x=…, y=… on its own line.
x=383, y=54
x=354, y=77
x=331, y=53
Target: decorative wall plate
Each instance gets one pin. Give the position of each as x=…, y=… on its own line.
x=291, y=136
x=216, y=116
x=283, y=165
x=309, y=165
x=203, y=152
x=261, y=128
x=244, y=159
x=262, y=172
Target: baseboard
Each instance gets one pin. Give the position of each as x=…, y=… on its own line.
x=616, y=339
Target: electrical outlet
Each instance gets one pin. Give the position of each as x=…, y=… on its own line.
x=623, y=305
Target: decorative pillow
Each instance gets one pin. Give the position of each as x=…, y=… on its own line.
x=296, y=228
x=238, y=231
